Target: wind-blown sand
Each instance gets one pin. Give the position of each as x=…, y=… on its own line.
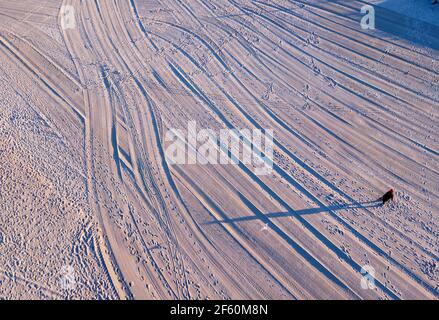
x=90, y=207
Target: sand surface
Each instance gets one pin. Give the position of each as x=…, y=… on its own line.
x=91, y=207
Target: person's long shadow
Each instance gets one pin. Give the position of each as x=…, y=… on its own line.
x=338, y=207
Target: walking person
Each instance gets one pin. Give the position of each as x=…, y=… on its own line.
x=389, y=195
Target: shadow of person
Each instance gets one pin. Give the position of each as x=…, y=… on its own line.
x=337, y=207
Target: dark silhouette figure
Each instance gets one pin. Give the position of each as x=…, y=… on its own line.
x=389, y=195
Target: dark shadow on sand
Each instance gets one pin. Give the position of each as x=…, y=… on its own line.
x=392, y=22
x=362, y=205
x=404, y=26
